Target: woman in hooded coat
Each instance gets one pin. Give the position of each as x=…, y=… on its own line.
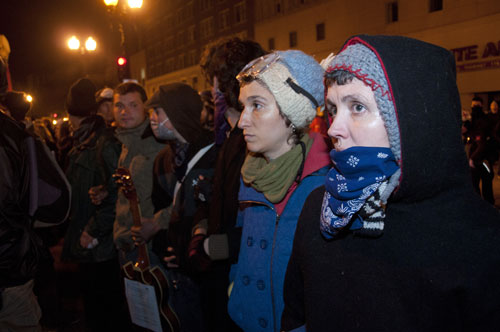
x=397, y=240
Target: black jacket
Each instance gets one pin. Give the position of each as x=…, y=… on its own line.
x=19, y=246
x=437, y=265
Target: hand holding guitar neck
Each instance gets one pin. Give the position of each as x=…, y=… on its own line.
x=141, y=270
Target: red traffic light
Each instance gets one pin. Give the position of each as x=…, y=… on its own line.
x=121, y=61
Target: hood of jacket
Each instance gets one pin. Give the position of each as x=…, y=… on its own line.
x=428, y=111
x=183, y=106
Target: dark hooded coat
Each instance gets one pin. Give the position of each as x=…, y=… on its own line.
x=182, y=106
x=436, y=266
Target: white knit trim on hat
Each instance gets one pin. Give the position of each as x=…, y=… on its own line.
x=297, y=107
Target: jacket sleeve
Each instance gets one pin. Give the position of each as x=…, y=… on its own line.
x=54, y=190
x=102, y=224
x=293, y=317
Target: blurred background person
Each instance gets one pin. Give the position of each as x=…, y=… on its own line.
x=89, y=237
x=104, y=100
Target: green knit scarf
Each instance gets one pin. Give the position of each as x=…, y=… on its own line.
x=274, y=178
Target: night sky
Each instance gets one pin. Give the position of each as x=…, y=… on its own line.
x=38, y=30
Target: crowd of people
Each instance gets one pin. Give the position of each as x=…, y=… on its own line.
x=293, y=196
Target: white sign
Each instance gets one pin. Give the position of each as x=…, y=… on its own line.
x=142, y=305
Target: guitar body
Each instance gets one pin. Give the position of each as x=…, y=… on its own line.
x=155, y=277
x=141, y=270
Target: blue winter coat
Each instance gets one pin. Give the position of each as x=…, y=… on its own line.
x=256, y=300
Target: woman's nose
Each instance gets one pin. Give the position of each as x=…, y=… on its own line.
x=338, y=128
x=244, y=119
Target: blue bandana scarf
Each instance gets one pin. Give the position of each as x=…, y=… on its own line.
x=357, y=175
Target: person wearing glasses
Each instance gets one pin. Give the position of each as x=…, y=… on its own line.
x=396, y=240
x=280, y=93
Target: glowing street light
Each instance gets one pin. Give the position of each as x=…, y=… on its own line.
x=73, y=43
x=90, y=44
x=131, y=3
x=113, y=3
x=135, y=3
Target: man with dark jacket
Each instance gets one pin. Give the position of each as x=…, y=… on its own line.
x=20, y=205
x=482, y=151
x=89, y=238
x=188, y=158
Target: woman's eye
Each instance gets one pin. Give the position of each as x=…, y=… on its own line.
x=257, y=106
x=358, y=108
x=332, y=110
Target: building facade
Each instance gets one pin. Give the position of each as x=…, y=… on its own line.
x=469, y=28
x=177, y=31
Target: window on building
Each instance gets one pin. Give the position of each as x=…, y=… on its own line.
x=435, y=5
x=270, y=44
x=392, y=12
x=190, y=9
x=180, y=61
x=192, y=60
x=205, y=4
x=181, y=38
x=320, y=31
x=207, y=27
x=224, y=19
x=240, y=12
x=293, y=38
x=190, y=34
x=170, y=65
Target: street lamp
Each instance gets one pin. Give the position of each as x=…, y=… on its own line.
x=117, y=10
x=111, y=2
x=74, y=44
x=90, y=44
x=135, y=3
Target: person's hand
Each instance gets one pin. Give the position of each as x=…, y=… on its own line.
x=197, y=257
x=97, y=194
x=86, y=240
x=170, y=258
x=142, y=234
x=471, y=163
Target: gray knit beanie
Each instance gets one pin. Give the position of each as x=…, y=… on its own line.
x=291, y=79
x=362, y=62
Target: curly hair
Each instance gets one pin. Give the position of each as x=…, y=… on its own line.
x=224, y=60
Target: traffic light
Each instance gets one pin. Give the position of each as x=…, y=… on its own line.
x=123, y=69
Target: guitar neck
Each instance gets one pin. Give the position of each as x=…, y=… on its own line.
x=143, y=256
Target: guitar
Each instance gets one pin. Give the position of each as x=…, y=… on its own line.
x=141, y=270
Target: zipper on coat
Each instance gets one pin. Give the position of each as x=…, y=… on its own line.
x=271, y=271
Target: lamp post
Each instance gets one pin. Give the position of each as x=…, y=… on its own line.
x=117, y=10
x=89, y=46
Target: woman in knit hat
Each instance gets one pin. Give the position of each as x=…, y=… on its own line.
x=396, y=240
x=279, y=93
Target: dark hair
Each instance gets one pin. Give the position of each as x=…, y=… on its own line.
x=224, y=60
x=479, y=99
x=340, y=77
x=128, y=87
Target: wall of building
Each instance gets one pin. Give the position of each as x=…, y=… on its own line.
x=178, y=32
x=469, y=27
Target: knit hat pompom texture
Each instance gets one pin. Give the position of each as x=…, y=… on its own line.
x=306, y=73
x=81, y=98
x=363, y=63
